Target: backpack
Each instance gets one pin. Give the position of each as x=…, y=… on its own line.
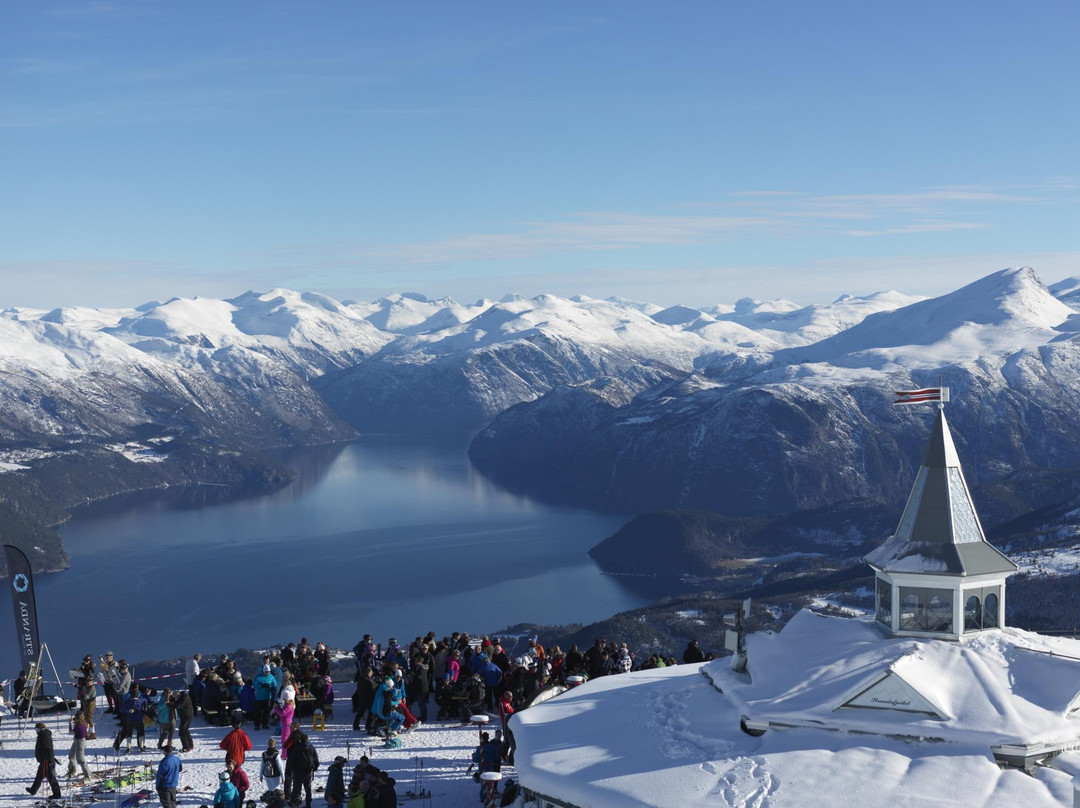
x=310, y=756
x=270, y=767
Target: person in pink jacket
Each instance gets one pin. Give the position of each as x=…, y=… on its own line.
x=285, y=713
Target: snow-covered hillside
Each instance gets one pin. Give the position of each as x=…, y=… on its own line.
x=756, y=431
x=736, y=407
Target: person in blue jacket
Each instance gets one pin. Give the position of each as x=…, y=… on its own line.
x=168, y=777
x=226, y=796
x=492, y=675
x=166, y=718
x=473, y=663
x=132, y=708
x=385, y=695
x=266, y=688
x=277, y=672
x=401, y=702
x=487, y=759
x=247, y=698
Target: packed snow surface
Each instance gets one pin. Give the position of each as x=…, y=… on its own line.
x=445, y=750
x=668, y=738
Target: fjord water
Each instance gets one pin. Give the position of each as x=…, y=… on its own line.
x=380, y=536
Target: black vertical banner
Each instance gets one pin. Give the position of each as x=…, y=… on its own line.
x=21, y=583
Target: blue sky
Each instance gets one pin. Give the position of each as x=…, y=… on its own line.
x=673, y=152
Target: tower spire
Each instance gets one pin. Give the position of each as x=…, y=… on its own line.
x=939, y=551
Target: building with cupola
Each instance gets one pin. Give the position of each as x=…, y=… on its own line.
x=938, y=576
x=932, y=686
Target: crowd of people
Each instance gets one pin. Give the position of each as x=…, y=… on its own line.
x=394, y=686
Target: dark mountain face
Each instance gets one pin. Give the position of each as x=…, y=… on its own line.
x=759, y=433
x=458, y=393
x=759, y=450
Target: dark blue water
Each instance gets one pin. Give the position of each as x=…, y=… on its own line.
x=379, y=536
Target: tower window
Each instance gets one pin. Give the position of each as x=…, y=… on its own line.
x=990, y=611
x=973, y=616
x=981, y=608
x=884, y=602
x=925, y=609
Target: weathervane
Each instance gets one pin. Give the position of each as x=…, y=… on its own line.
x=940, y=394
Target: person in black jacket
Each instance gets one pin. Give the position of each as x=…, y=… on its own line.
x=46, y=758
x=692, y=654
x=363, y=699
x=474, y=698
x=387, y=792
x=418, y=688
x=335, y=782
x=185, y=712
x=305, y=762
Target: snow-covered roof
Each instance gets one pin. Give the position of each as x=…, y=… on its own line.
x=1000, y=687
x=668, y=737
x=939, y=532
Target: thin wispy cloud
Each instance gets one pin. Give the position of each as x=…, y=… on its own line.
x=919, y=227
x=584, y=232
x=745, y=214
x=927, y=201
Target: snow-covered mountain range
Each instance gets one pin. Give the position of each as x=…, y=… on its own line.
x=746, y=408
x=752, y=431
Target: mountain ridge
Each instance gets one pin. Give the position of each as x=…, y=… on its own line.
x=611, y=405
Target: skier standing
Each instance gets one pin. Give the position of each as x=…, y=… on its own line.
x=46, y=759
x=168, y=777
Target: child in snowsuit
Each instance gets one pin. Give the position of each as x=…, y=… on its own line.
x=226, y=796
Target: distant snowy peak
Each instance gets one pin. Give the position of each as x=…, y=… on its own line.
x=51, y=352
x=83, y=317
x=680, y=315
x=1068, y=292
x=1021, y=296
x=203, y=321
x=750, y=305
x=809, y=324
x=644, y=308
x=590, y=324
x=999, y=314
x=412, y=313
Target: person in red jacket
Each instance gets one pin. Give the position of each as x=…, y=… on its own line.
x=238, y=777
x=235, y=744
x=506, y=709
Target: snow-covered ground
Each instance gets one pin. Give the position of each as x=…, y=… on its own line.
x=667, y=738
x=1049, y=561
x=444, y=750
